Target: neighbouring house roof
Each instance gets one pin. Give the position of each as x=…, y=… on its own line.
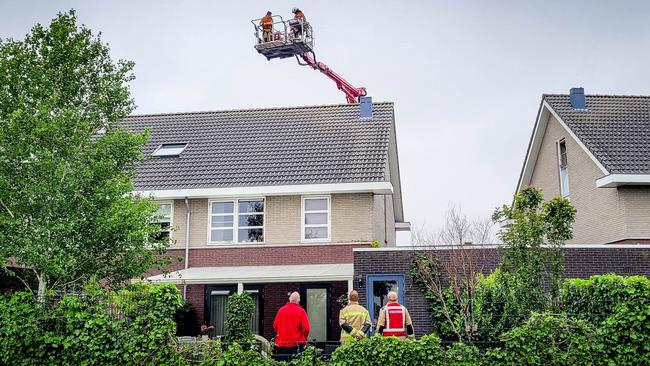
x=616, y=129
x=266, y=147
x=258, y=274
x=613, y=130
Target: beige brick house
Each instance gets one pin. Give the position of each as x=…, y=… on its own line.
x=271, y=201
x=595, y=151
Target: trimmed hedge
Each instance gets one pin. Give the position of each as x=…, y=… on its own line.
x=134, y=326
x=620, y=308
x=382, y=351
x=551, y=340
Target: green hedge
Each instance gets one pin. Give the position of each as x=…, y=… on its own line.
x=382, y=351
x=551, y=340
x=620, y=308
x=133, y=326
x=239, y=311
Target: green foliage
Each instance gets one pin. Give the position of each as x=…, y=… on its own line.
x=442, y=303
x=66, y=207
x=532, y=247
x=239, y=311
x=497, y=307
x=236, y=355
x=551, y=340
x=461, y=354
x=133, y=326
x=390, y=351
x=620, y=306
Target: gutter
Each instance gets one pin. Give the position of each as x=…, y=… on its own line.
x=187, y=241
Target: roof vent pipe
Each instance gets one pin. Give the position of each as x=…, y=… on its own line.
x=365, y=107
x=577, y=96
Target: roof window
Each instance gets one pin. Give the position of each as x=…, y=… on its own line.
x=169, y=150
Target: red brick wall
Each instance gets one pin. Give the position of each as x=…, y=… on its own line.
x=264, y=256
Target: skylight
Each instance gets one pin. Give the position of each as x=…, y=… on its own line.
x=169, y=150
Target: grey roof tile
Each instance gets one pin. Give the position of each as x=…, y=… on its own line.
x=257, y=147
x=616, y=129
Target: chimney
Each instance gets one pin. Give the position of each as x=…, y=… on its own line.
x=365, y=107
x=577, y=96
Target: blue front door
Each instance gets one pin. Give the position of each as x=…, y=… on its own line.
x=377, y=288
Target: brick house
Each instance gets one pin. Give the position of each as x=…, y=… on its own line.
x=595, y=151
x=271, y=201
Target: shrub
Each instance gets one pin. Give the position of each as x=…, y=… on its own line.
x=239, y=311
x=132, y=326
x=596, y=298
x=381, y=351
x=550, y=340
x=497, y=306
x=461, y=354
x=620, y=307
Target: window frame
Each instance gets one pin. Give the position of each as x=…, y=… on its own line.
x=235, y=221
x=171, y=215
x=329, y=220
x=559, y=144
x=159, y=152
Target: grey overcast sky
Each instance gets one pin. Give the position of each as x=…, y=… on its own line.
x=466, y=77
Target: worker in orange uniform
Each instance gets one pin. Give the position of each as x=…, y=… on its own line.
x=354, y=319
x=394, y=320
x=267, y=27
x=297, y=22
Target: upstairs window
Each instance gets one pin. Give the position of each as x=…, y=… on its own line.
x=169, y=150
x=163, y=217
x=237, y=221
x=316, y=218
x=564, y=171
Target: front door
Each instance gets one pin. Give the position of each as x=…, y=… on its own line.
x=216, y=299
x=378, y=287
x=315, y=299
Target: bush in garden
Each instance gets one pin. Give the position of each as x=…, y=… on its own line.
x=497, y=308
x=552, y=340
x=620, y=307
x=390, y=351
x=239, y=311
x=462, y=354
x=132, y=326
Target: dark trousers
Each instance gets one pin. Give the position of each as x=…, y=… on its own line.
x=287, y=353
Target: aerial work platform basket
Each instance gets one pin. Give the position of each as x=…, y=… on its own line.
x=286, y=38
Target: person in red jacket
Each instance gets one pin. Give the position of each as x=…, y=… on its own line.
x=292, y=328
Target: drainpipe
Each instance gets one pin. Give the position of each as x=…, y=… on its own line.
x=187, y=241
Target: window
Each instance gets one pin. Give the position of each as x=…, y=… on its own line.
x=237, y=221
x=316, y=218
x=564, y=172
x=163, y=218
x=169, y=150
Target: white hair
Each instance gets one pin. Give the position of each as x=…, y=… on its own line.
x=295, y=297
x=392, y=296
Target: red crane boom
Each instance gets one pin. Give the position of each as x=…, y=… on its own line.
x=351, y=92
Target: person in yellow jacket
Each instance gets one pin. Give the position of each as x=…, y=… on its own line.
x=354, y=319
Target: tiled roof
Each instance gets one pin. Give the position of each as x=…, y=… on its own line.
x=616, y=129
x=259, y=147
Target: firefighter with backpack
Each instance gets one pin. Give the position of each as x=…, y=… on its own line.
x=395, y=320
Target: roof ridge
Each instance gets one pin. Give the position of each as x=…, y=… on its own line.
x=598, y=95
x=250, y=109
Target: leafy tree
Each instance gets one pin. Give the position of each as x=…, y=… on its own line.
x=532, y=245
x=67, y=211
